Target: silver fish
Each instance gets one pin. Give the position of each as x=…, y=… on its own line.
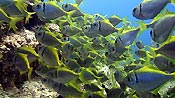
x=49, y=55
x=71, y=30
x=62, y=89
x=72, y=64
x=74, y=8
x=167, y=50
x=148, y=9
x=103, y=27
x=162, y=29
x=62, y=75
x=164, y=64
x=89, y=32
x=47, y=38
x=31, y=54
x=147, y=79
x=128, y=37
x=47, y=11
x=67, y=50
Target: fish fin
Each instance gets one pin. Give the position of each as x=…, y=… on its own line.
x=152, y=23
x=70, y=19
x=21, y=5
x=13, y=21
x=30, y=73
x=26, y=63
x=69, y=16
x=142, y=25
x=78, y=2
x=60, y=23
x=71, y=13
x=83, y=2
x=172, y=1
x=28, y=16
x=173, y=75
x=153, y=51
x=167, y=12
x=85, y=19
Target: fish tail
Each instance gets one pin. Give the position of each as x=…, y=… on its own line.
x=142, y=25
x=28, y=16
x=85, y=19
x=173, y=74
x=69, y=14
x=13, y=21
x=60, y=23
x=153, y=51
x=69, y=17
x=172, y=1
x=29, y=73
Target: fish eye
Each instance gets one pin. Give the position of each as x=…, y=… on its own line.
x=113, y=49
x=94, y=39
x=44, y=80
x=38, y=6
x=134, y=10
x=170, y=63
x=107, y=53
x=128, y=78
x=90, y=96
x=95, y=24
x=151, y=32
x=39, y=33
x=56, y=84
x=66, y=5
x=64, y=38
x=96, y=15
x=85, y=63
x=136, y=52
x=67, y=61
x=85, y=29
x=116, y=41
x=68, y=46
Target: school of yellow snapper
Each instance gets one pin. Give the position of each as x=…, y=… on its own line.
x=90, y=57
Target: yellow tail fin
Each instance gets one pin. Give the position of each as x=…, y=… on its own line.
x=152, y=50
x=28, y=16
x=13, y=21
x=173, y=2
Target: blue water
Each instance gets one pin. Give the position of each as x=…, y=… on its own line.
x=122, y=8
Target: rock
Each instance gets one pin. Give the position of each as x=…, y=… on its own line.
x=31, y=89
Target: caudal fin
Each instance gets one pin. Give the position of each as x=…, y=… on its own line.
x=13, y=21
x=172, y=1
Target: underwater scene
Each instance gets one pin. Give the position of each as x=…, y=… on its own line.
x=87, y=48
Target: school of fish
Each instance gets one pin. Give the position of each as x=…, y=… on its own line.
x=91, y=57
